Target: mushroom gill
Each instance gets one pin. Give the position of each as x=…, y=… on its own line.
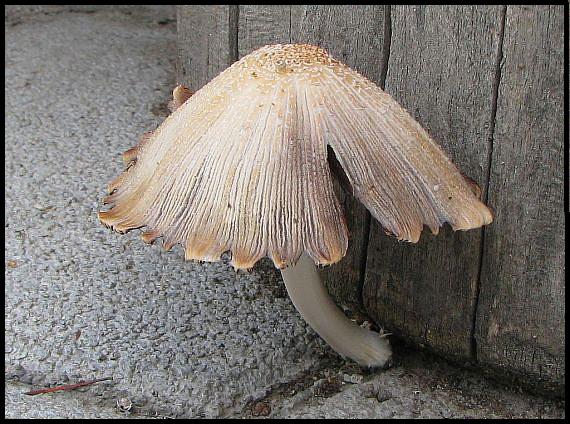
x=241, y=165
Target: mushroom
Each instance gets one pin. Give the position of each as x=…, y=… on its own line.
x=241, y=167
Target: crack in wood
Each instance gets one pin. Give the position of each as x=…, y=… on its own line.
x=494, y=101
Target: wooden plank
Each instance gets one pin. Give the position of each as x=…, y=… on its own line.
x=206, y=43
x=520, y=319
x=263, y=24
x=441, y=69
x=353, y=34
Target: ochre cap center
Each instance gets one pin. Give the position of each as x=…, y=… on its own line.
x=288, y=57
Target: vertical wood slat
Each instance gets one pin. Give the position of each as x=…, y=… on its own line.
x=205, y=45
x=442, y=70
x=263, y=24
x=354, y=35
x=520, y=319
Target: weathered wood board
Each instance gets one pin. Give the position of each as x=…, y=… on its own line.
x=206, y=43
x=263, y=24
x=354, y=35
x=520, y=318
x=442, y=70
x=487, y=83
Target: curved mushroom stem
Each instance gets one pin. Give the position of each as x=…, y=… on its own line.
x=310, y=297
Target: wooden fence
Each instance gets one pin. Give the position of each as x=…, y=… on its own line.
x=487, y=82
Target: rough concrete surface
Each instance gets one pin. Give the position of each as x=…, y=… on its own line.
x=418, y=386
x=179, y=339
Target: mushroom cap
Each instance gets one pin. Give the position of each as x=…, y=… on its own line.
x=241, y=165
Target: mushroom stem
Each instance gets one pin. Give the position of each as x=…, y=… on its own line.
x=310, y=297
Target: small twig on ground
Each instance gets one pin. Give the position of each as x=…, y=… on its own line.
x=66, y=386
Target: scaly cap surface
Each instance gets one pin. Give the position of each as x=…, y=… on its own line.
x=241, y=165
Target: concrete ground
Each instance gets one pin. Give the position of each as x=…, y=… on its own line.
x=178, y=339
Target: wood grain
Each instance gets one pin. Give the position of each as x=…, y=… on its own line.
x=502, y=126
x=520, y=319
x=441, y=69
x=205, y=44
x=354, y=35
x=263, y=24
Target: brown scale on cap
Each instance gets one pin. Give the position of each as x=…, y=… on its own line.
x=288, y=58
x=241, y=165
